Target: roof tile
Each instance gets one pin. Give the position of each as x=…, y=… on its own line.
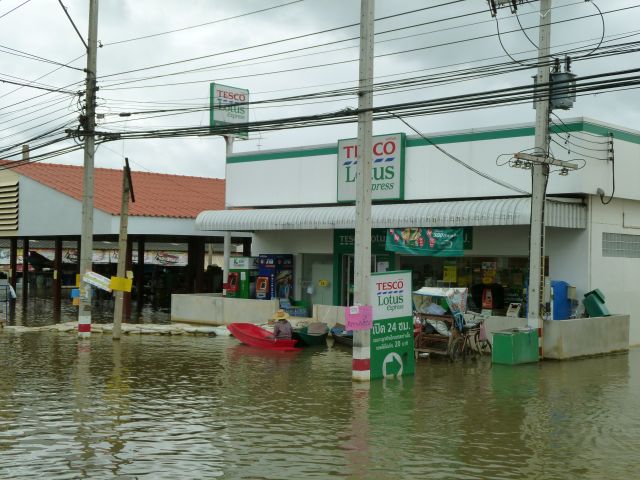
x=156, y=194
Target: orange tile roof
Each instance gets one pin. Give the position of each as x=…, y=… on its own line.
x=156, y=194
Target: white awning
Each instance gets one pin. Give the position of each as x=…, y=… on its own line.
x=469, y=213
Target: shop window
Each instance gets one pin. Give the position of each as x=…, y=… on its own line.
x=620, y=245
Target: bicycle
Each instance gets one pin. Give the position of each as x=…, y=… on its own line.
x=468, y=339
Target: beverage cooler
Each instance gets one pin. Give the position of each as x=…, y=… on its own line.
x=243, y=272
x=275, y=276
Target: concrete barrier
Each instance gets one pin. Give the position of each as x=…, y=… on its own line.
x=212, y=309
x=329, y=314
x=581, y=337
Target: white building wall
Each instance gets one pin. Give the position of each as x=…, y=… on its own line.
x=568, y=252
x=292, y=181
x=617, y=278
x=45, y=211
x=500, y=241
x=298, y=178
x=287, y=241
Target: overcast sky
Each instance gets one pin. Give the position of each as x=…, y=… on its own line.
x=40, y=27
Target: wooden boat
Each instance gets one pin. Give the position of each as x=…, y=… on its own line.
x=258, y=337
x=313, y=334
x=341, y=336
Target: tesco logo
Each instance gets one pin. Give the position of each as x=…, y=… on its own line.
x=228, y=95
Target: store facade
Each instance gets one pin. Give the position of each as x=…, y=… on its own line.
x=419, y=191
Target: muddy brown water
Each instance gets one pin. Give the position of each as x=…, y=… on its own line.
x=208, y=407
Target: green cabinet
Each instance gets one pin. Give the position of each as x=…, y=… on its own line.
x=515, y=346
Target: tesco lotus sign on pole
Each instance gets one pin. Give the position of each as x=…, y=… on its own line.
x=229, y=106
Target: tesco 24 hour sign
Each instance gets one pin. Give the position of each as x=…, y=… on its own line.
x=387, y=168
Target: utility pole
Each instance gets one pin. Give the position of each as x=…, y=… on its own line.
x=226, y=252
x=88, y=124
x=540, y=174
x=361, y=361
x=127, y=192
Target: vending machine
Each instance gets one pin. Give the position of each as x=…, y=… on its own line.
x=275, y=272
x=243, y=272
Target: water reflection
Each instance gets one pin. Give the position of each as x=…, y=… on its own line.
x=194, y=407
x=37, y=311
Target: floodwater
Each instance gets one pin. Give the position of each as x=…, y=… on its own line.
x=206, y=407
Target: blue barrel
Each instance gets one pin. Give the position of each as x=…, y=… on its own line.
x=561, y=302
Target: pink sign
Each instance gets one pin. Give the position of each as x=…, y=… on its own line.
x=358, y=317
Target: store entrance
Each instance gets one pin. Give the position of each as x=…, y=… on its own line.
x=379, y=263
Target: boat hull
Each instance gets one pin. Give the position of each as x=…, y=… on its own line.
x=258, y=337
x=341, y=338
x=310, y=340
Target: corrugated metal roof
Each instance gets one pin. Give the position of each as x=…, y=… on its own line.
x=470, y=213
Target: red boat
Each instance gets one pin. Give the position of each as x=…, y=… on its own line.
x=258, y=337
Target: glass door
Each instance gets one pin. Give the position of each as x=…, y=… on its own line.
x=348, y=271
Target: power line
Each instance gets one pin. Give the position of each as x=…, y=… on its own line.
x=274, y=42
x=200, y=24
x=73, y=25
x=13, y=9
x=412, y=50
x=42, y=76
x=395, y=86
x=460, y=162
x=31, y=56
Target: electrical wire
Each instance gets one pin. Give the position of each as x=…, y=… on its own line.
x=13, y=9
x=117, y=85
x=613, y=176
x=279, y=41
x=153, y=35
x=460, y=162
x=30, y=56
x=354, y=82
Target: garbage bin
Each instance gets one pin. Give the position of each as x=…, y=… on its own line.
x=515, y=346
x=594, y=304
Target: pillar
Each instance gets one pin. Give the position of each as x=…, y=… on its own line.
x=57, y=280
x=139, y=276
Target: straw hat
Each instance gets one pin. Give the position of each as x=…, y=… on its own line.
x=280, y=315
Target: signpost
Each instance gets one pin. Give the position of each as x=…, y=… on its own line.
x=387, y=168
x=392, y=331
x=228, y=106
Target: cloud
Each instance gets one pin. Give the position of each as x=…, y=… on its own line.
x=429, y=42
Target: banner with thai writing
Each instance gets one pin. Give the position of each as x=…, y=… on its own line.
x=431, y=242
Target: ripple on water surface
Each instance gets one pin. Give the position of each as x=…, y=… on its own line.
x=200, y=407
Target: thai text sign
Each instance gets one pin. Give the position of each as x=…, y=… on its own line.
x=392, y=330
x=229, y=105
x=434, y=242
x=97, y=280
x=387, y=169
x=358, y=317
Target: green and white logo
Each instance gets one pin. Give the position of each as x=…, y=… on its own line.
x=387, y=169
x=228, y=106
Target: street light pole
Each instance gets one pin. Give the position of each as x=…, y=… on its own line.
x=226, y=252
x=540, y=173
x=361, y=362
x=88, y=124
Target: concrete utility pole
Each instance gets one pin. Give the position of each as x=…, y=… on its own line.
x=361, y=362
x=122, y=248
x=540, y=173
x=226, y=252
x=89, y=124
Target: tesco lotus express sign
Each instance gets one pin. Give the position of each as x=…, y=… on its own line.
x=387, y=168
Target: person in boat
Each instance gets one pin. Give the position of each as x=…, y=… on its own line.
x=282, y=329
